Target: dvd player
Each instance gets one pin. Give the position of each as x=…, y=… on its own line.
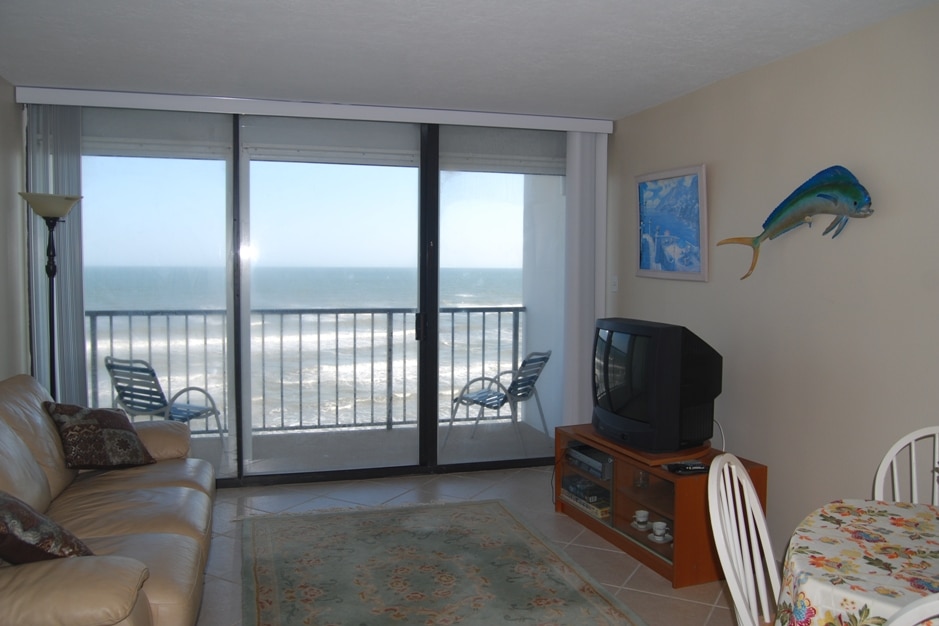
x=592, y=461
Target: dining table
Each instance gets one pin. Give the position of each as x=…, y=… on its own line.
x=857, y=562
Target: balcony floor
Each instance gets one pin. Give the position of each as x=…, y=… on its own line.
x=346, y=449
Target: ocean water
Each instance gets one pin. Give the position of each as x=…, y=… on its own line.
x=162, y=288
x=327, y=369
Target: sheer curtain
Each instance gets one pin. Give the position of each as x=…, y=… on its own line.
x=53, y=148
x=584, y=281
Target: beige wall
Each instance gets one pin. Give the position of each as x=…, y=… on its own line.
x=831, y=347
x=14, y=356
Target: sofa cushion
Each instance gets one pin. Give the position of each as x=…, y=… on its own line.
x=97, y=438
x=27, y=536
x=165, y=439
x=176, y=565
x=20, y=474
x=89, y=591
x=192, y=473
x=89, y=512
x=21, y=399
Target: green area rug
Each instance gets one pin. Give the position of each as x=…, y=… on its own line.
x=467, y=563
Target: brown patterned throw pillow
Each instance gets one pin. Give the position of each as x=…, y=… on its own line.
x=27, y=535
x=97, y=438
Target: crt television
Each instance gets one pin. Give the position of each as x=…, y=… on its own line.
x=654, y=385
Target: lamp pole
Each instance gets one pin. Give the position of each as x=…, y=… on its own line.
x=52, y=209
x=50, y=272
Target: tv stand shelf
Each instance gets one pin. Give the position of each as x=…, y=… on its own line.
x=602, y=484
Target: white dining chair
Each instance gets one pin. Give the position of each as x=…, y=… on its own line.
x=907, y=469
x=916, y=612
x=742, y=541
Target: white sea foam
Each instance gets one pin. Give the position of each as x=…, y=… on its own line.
x=314, y=368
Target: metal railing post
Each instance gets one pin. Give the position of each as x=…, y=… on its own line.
x=389, y=369
x=171, y=337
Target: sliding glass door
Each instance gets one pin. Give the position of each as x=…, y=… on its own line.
x=502, y=209
x=278, y=263
x=330, y=263
x=155, y=204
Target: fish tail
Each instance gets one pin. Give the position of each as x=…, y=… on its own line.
x=753, y=242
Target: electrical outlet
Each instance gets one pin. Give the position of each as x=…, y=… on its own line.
x=614, y=283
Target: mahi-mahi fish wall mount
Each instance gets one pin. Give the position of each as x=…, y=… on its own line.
x=834, y=191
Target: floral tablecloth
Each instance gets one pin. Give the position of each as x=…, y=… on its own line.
x=856, y=562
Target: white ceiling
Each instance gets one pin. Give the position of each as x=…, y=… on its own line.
x=601, y=59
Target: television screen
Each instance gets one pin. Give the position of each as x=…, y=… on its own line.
x=624, y=387
x=654, y=384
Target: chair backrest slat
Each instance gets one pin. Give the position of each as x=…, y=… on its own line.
x=742, y=541
x=523, y=384
x=136, y=385
x=917, y=612
x=902, y=471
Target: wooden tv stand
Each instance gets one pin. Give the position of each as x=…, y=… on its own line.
x=603, y=490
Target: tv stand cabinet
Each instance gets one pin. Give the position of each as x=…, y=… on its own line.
x=602, y=484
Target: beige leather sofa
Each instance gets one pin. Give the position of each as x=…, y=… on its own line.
x=148, y=527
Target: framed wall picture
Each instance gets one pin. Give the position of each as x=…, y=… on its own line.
x=673, y=233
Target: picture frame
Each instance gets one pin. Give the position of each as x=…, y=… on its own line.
x=672, y=219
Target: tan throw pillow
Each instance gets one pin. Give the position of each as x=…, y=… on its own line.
x=97, y=438
x=27, y=535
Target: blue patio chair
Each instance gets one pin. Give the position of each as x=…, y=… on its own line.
x=139, y=393
x=490, y=392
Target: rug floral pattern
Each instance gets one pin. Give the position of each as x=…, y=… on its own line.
x=467, y=563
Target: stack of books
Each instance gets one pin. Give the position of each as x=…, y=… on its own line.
x=586, y=495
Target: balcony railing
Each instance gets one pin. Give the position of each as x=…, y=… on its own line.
x=309, y=368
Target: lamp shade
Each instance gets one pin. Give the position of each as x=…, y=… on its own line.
x=50, y=205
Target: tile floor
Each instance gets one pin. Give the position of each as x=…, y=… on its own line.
x=528, y=492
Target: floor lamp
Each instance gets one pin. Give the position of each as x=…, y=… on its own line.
x=52, y=208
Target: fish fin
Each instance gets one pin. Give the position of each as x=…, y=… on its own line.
x=829, y=197
x=753, y=242
x=837, y=225
x=844, y=222
x=746, y=241
x=833, y=174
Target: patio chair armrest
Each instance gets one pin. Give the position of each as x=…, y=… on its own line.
x=132, y=412
x=187, y=390
x=165, y=440
x=493, y=382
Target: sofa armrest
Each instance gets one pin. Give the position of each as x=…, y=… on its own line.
x=165, y=439
x=79, y=591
